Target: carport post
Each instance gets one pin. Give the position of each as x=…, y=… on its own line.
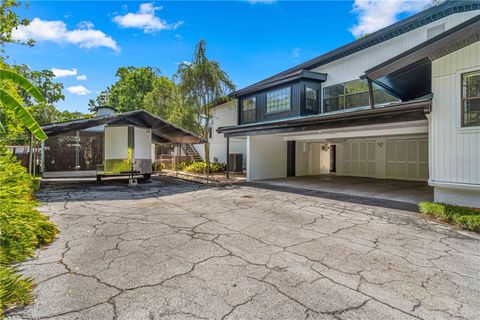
x=228, y=158
x=30, y=155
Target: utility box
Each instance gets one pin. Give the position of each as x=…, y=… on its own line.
x=127, y=151
x=235, y=161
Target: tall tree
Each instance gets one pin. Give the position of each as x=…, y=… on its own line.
x=203, y=82
x=129, y=92
x=166, y=101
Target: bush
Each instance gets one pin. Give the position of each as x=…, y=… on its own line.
x=468, y=218
x=201, y=167
x=158, y=166
x=22, y=229
x=181, y=166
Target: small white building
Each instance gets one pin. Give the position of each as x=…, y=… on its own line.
x=401, y=103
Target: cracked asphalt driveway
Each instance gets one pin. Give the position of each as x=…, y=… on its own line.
x=176, y=250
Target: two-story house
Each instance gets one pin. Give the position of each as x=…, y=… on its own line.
x=401, y=103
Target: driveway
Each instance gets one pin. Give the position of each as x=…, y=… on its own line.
x=176, y=250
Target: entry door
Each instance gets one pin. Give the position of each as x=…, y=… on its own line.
x=407, y=159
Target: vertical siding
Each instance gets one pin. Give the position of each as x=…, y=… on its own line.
x=456, y=150
x=355, y=65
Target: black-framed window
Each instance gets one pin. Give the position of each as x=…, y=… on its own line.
x=311, y=99
x=353, y=94
x=278, y=100
x=471, y=99
x=249, y=106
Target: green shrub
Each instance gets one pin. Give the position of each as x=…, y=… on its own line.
x=468, y=218
x=22, y=229
x=158, y=166
x=201, y=167
x=181, y=166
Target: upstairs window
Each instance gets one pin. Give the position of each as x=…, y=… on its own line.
x=311, y=100
x=471, y=99
x=248, y=109
x=353, y=94
x=278, y=100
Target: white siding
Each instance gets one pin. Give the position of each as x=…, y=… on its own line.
x=223, y=115
x=266, y=157
x=355, y=65
x=455, y=150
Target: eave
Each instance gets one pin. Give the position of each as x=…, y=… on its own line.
x=409, y=111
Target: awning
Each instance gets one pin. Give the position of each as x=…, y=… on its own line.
x=408, y=75
x=162, y=131
x=407, y=111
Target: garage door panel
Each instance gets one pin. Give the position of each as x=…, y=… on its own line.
x=410, y=161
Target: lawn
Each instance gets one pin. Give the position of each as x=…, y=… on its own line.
x=22, y=229
x=468, y=218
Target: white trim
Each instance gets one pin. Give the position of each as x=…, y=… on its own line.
x=454, y=185
x=458, y=101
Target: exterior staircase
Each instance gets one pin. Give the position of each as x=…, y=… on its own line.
x=192, y=152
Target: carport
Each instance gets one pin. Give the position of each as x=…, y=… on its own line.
x=386, y=189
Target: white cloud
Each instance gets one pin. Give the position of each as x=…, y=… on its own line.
x=78, y=90
x=376, y=14
x=86, y=25
x=81, y=77
x=296, y=52
x=145, y=19
x=56, y=31
x=60, y=73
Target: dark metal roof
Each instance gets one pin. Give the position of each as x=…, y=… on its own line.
x=408, y=75
x=418, y=20
x=406, y=111
x=163, y=131
x=293, y=76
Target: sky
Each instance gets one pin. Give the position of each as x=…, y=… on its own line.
x=85, y=42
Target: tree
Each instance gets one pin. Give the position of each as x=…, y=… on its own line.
x=166, y=101
x=100, y=100
x=8, y=100
x=9, y=21
x=129, y=92
x=43, y=80
x=203, y=82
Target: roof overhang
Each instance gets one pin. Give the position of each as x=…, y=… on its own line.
x=162, y=131
x=287, y=78
x=410, y=111
x=408, y=75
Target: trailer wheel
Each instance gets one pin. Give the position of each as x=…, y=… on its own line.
x=99, y=178
x=147, y=176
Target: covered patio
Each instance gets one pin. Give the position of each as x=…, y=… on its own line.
x=404, y=191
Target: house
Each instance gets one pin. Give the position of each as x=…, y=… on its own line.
x=107, y=144
x=401, y=103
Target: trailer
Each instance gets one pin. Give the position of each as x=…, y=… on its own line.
x=127, y=152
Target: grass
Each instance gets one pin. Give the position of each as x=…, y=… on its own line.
x=22, y=229
x=467, y=218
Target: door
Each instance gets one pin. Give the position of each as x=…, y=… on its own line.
x=407, y=159
x=359, y=158
x=333, y=158
x=291, y=158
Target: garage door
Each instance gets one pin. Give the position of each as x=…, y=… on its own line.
x=407, y=159
x=359, y=159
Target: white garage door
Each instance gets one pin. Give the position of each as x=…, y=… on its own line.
x=359, y=159
x=407, y=159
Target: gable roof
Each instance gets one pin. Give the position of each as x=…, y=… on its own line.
x=162, y=131
x=413, y=22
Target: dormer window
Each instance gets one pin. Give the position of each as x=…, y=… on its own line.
x=249, y=109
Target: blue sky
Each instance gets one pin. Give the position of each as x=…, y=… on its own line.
x=251, y=39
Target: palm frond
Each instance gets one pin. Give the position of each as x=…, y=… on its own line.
x=22, y=113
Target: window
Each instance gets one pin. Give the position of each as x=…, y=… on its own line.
x=278, y=100
x=471, y=99
x=310, y=99
x=353, y=94
x=248, y=109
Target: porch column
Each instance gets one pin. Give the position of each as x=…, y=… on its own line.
x=228, y=157
x=30, y=155
x=370, y=94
